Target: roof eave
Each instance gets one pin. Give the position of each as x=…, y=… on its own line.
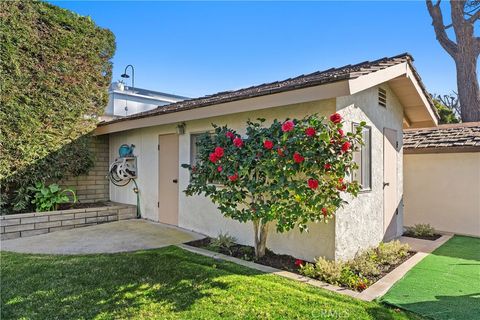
x=403, y=75
x=314, y=93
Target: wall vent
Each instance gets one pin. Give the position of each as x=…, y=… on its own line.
x=382, y=97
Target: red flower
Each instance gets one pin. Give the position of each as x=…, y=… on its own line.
x=324, y=212
x=234, y=177
x=345, y=146
x=219, y=168
x=340, y=180
x=194, y=169
x=310, y=131
x=340, y=132
x=219, y=152
x=280, y=152
x=238, y=142
x=268, y=144
x=312, y=183
x=230, y=135
x=342, y=186
x=288, y=126
x=361, y=285
x=299, y=262
x=213, y=157
x=336, y=118
x=297, y=157
x=327, y=166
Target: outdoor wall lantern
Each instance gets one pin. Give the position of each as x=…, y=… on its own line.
x=181, y=128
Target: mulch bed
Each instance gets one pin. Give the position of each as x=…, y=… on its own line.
x=431, y=238
x=271, y=259
x=279, y=261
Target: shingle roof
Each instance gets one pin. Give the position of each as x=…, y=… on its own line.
x=303, y=81
x=444, y=138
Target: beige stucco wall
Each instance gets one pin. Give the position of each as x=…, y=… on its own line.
x=360, y=224
x=360, y=221
x=443, y=189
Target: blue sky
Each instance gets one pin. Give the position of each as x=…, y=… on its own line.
x=198, y=48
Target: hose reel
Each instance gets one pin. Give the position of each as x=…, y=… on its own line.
x=124, y=169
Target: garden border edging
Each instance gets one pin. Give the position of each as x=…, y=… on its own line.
x=373, y=292
x=384, y=284
x=267, y=269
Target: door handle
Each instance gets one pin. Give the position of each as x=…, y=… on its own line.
x=386, y=184
x=175, y=180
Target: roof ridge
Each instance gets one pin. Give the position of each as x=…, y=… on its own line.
x=447, y=126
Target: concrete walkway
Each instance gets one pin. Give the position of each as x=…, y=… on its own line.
x=126, y=235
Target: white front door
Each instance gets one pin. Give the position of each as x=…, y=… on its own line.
x=390, y=201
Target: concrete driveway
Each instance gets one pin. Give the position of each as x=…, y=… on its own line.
x=121, y=236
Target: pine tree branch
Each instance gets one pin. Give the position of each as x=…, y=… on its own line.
x=474, y=17
x=439, y=27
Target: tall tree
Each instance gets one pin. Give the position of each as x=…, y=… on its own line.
x=464, y=50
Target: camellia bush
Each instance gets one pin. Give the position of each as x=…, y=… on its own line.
x=284, y=175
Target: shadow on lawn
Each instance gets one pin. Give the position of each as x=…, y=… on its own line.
x=72, y=287
x=448, y=307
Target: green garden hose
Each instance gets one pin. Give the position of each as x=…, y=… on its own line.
x=135, y=189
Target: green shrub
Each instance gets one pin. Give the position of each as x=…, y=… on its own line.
x=366, y=264
x=420, y=230
x=55, y=69
x=47, y=198
x=361, y=271
x=224, y=242
x=323, y=269
x=391, y=253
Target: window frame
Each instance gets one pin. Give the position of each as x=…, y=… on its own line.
x=369, y=128
x=193, y=145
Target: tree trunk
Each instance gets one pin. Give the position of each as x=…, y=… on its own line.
x=261, y=232
x=465, y=56
x=464, y=52
x=467, y=82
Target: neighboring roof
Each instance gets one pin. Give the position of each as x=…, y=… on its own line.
x=347, y=72
x=149, y=93
x=460, y=137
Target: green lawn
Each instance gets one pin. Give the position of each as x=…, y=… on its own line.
x=167, y=283
x=444, y=285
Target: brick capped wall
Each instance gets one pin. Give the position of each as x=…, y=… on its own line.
x=94, y=186
x=30, y=224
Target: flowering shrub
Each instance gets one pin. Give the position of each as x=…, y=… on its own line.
x=289, y=173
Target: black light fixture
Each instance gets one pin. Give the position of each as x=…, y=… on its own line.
x=126, y=76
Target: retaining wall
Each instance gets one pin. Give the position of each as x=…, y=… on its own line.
x=35, y=223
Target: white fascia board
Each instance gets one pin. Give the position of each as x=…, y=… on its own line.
x=378, y=77
x=424, y=99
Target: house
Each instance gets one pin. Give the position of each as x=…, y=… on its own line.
x=442, y=177
x=387, y=93
x=124, y=101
